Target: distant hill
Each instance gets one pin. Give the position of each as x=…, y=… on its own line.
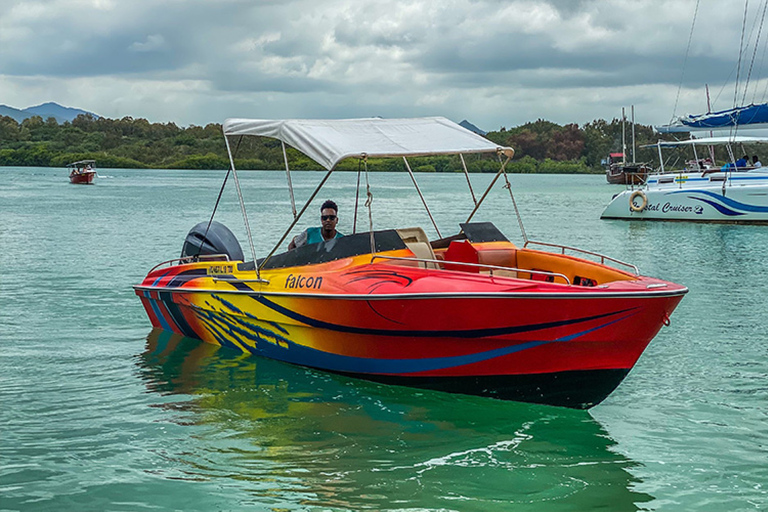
x=46, y=110
x=469, y=126
x=18, y=115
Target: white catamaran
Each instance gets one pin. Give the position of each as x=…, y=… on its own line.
x=703, y=190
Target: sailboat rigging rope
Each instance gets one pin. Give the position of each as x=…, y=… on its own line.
x=754, y=52
x=760, y=66
x=741, y=52
x=685, y=61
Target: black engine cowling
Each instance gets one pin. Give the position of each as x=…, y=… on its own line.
x=217, y=240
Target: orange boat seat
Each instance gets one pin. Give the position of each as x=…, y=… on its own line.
x=506, y=257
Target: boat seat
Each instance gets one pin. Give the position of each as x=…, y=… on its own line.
x=410, y=235
x=499, y=258
x=416, y=240
x=423, y=251
x=461, y=251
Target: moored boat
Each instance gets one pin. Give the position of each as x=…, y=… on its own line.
x=618, y=172
x=469, y=313
x=82, y=172
x=701, y=191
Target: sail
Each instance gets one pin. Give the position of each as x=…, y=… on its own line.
x=749, y=117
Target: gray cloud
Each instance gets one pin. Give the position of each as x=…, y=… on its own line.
x=496, y=62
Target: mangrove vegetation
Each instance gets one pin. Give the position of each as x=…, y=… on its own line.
x=540, y=147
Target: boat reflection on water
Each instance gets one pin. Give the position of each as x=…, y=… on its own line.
x=288, y=436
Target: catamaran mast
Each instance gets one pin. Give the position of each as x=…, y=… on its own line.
x=711, y=134
x=633, y=134
x=623, y=137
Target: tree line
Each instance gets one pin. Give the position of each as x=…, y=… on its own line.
x=540, y=147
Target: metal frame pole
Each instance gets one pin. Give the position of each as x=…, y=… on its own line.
x=490, y=186
x=290, y=184
x=242, y=203
x=296, y=219
x=466, y=173
x=408, y=166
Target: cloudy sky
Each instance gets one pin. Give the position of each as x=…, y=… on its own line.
x=493, y=62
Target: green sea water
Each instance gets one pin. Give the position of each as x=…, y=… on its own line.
x=99, y=412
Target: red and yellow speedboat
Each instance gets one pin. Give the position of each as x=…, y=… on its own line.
x=471, y=313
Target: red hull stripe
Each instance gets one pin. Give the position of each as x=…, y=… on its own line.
x=147, y=303
x=162, y=315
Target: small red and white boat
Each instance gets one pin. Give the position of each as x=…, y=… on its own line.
x=82, y=172
x=470, y=313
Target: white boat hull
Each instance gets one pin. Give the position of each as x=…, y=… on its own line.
x=739, y=197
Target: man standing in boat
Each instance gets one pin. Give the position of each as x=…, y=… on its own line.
x=328, y=218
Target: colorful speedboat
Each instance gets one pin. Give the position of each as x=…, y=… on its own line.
x=470, y=313
x=82, y=172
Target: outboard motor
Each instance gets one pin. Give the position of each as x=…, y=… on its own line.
x=217, y=240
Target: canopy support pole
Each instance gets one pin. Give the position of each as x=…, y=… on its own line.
x=290, y=185
x=508, y=186
x=490, y=186
x=469, y=183
x=295, y=220
x=696, y=159
x=661, y=157
x=369, y=205
x=357, y=194
x=242, y=204
x=424, y=202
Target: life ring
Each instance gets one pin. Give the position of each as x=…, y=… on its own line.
x=643, y=203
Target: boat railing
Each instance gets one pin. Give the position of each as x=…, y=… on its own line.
x=491, y=268
x=603, y=257
x=190, y=259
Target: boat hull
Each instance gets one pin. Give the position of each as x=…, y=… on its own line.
x=83, y=178
x=743, y=200
x=569, y=349
x=579, y=389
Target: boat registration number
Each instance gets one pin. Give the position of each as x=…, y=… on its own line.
x=217, y=270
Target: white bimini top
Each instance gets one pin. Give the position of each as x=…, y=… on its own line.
x=329, y=141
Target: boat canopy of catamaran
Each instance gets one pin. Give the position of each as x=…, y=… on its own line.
x=750, y=117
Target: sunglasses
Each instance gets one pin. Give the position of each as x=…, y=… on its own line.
x=327, y=217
